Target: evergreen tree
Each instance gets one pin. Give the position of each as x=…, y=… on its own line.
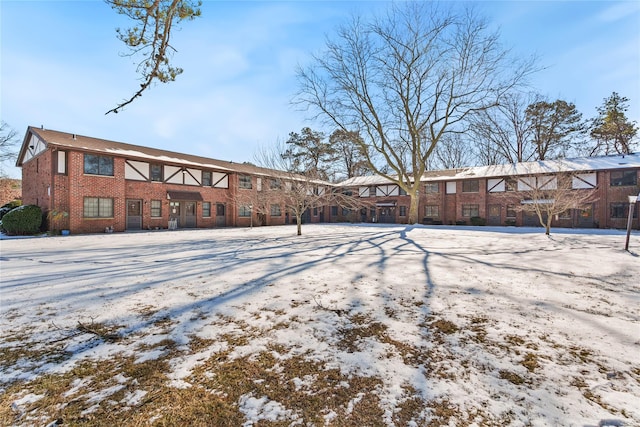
x=309, y=154
x=611, y=130
x=553, y=127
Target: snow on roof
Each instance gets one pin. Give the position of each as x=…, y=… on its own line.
x=581, y=164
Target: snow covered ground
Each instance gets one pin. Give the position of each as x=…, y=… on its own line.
x=419, y=325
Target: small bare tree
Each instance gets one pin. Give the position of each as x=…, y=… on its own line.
x=8, y=142
x=299, y=192
x=548, y=196
x=258, y=201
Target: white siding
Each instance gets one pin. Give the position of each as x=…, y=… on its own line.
x=259, y=184
x=34, y=147
x=548, y=182
x=387, y=190
x=193, y=177
x=363, y=192
x=220, y=180
x=585, y=180
x=527, y=183
x=138, y=171
x=495, y=185
x=173, y=175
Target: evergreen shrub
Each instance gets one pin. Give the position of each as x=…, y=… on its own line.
x=23, y=220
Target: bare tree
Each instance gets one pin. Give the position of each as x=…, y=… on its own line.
x=453, y=152
x=300, y=192
x=405, y=80
x=150, y=35
x=548, y=196
x=8, y=142
x=350, y=156
x=503, y=134
x=297, y=192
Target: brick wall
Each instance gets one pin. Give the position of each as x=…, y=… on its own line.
x=10, y=190
x=36, y=181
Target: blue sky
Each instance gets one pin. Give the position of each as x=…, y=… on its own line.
x=61, y=67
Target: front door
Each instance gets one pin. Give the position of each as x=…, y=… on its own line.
x=387, y=215
x=175, y=214
x=221, y=219
x=189, y=214
x=493, y=218
x=134, y=214
x=585, y=216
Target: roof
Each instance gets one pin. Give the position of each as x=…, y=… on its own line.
x=113, y=148
x=97, y=145
x=581, y=164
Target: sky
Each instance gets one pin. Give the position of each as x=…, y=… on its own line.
x=62, y=67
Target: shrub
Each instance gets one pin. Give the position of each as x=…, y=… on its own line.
x=509, y=222
x=476, y=220
x=23, y=220
x=8, y=207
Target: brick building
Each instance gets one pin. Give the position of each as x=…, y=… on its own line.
x=105, y=185
x=495, y=194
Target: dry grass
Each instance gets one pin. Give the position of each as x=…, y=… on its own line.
x=308, y=390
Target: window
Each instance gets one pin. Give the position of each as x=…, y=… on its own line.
x=206, y=179
x=98, y=165
x=494, y=211
x=624, y=177
x=469, y=211
x=315, y=211
x=95, y=207
x=245, y=211
x=431, y=187
x=334, y=211
x=432, y=211
x=206, y=209
x=510, y=184
x=274, y=184
x=470, y=186
x=275, y=210
x=345, y=211
x=62, y=162
x=403, y=211
x=156, y=172
x=511, y=211
x=566, y=214
x=156, y=208
x=621, y=210
x=245, y=182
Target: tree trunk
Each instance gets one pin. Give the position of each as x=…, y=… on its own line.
x=413, y=208
x=299, y=224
